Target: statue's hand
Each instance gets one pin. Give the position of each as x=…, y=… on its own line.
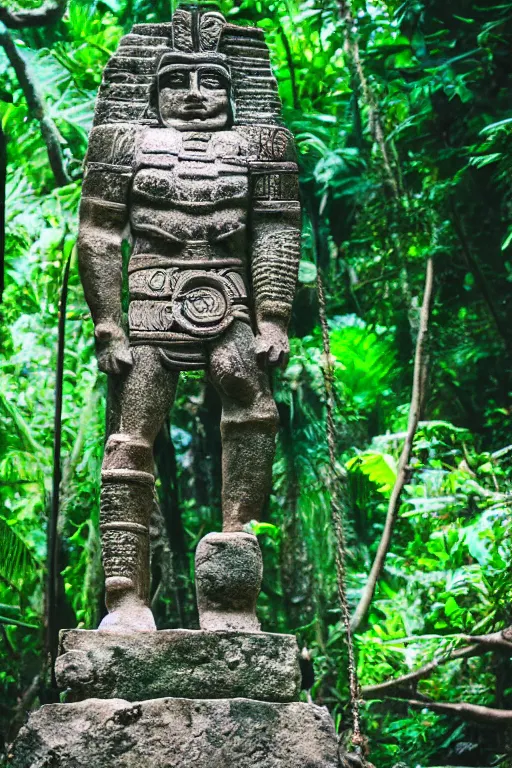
x=112, y=348
x=272, y=346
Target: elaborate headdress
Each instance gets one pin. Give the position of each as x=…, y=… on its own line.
x=195, y=35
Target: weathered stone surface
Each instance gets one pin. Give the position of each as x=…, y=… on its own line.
x=185, y=663
x=229, y=569
x=177, y=733
x=188, y=153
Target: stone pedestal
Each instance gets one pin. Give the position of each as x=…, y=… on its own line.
x=179, y=662
x=177, y=733
x=234, y=705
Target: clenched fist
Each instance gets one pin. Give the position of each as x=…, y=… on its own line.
x=272, y=346
x=112, y=348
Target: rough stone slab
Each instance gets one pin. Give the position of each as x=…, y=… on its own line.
x=177, y=733
x=185, y=663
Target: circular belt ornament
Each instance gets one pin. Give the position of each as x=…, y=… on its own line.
x=201, y=304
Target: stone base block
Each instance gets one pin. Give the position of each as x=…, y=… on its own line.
x=177, y=733
x=184, y=663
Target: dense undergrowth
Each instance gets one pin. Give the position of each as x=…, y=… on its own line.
x=403, y=118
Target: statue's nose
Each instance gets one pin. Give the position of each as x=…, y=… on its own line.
x=194, y=94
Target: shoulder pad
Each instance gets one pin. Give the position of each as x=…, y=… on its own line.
x=269, y=143
x=113, y=144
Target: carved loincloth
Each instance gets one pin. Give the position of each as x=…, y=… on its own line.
x=180, y=309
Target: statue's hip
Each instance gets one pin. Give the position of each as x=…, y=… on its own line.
x=179, y=303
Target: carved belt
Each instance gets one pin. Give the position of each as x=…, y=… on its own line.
x=179, y=306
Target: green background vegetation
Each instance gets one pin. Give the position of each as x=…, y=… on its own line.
x=403, y=119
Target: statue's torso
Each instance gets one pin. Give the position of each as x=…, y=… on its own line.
x=190, y=186
x=188, y=217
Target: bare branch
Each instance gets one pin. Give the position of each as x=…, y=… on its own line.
x=35, y=102
x=54, y=541
x=25, y=703
x=472, y=712
x=420, y=363
x=495, y=641
x=37, y=17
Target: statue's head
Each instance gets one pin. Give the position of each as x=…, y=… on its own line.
x=193, y=92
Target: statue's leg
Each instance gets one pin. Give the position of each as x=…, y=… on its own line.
x=248, y=426
x=127, y=494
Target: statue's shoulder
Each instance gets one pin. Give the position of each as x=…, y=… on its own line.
x=114, y=144
x=268, y=143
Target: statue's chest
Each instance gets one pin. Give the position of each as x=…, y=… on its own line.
x=190, y=171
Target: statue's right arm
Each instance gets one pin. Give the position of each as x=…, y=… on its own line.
x=103, y=219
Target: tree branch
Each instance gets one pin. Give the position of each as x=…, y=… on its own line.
x=375, y=119
x=35, y=102
x=479, y=644
x=291, y=67
x=53, y=537
x=38, y=17
x=420, y=362
x=472, y=712
x=409, y=681
x=25, y=702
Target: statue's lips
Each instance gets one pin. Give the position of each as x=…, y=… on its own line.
x=197, y=108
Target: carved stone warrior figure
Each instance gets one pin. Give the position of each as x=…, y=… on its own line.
x=189, y=166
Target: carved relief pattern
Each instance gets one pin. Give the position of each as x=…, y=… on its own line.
x=123, y=553
x=273, y=144
x=126, y=502
x=182, y=28
x=200, y=303
x=275, y=267
x=210, y=31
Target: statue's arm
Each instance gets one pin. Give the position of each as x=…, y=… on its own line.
x=276, y=232
x=103, y=219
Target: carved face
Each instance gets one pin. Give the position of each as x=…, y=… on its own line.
x=194, y=98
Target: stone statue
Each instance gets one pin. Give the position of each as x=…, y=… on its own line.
x=190, y=221
x=191, y=173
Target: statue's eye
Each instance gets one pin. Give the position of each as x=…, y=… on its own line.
x=211, y=81
x=176, y=80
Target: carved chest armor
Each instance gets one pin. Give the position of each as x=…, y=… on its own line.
x=188, y=215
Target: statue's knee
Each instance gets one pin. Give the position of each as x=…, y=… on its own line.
x=260, y=416
x=127, y=452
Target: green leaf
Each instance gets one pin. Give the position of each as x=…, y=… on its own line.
x=16, y=559
x=307, y=272
x=380, y=468
x=451, y=606
x=507, y=241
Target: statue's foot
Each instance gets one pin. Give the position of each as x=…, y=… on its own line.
x=126, y=611
x=139, y=619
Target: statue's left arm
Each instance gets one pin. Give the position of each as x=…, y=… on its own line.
x=275, y=249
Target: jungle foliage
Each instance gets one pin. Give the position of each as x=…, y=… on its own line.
x=403, y=117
